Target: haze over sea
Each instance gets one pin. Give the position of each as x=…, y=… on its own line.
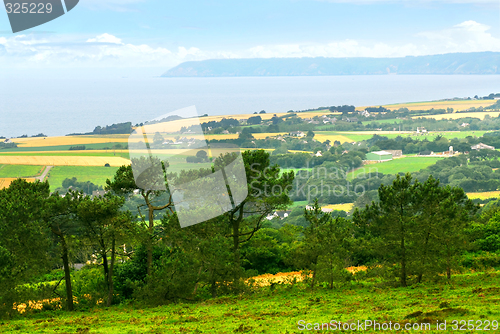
x=59, y=106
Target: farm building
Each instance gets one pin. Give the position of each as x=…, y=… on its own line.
x=378, y=156
x=421, y=130
x=482, y=146
x=395, y=153
x=297, y=134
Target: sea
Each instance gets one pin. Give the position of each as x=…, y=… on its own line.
x=70, y=104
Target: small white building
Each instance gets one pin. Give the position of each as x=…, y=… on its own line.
x=421, y=130
x=299, y=134
x=482, y=146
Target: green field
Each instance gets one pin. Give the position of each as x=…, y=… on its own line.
x=19, y=170
x=278, y=309
x=359, y=135
x=96, y=175
x=408, y=164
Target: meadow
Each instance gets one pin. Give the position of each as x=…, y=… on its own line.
x=406, y=164
x=356, y=136
x=20, y=171
x=96, y=175
x=288, y=307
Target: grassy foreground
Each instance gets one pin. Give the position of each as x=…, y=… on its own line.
x=472, y=296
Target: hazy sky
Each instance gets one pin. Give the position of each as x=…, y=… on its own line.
x=164, y=33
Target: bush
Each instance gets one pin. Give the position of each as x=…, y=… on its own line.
x=131, y=275
x=481, y=260
x=174, y=278
x=89, y=286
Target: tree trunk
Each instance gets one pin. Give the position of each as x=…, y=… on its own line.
x=331, y=274
x=313, y=281
x=150, y=240
x=403, y=263
x=67, y=274
x=213, y=283
x=236, y=248
x=448, y=266
x=105, y=266
x=424, y=257
x=110, y=274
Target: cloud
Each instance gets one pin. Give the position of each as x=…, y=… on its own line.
x=347, y=48
x=106, y=50
x=105, y=38
x=114, y=5
x=468, y=36
x=415, y=2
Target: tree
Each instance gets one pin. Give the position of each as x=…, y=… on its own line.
x=158, y=139
x=457, y=211
x=61, y=218
x=24, y=238
x=310, y=134
x=267, y=191
x=418, y=225
x=202, y=155
x=324, y=247
x=154, y=176
x=104, y=224
x=392, y=220
x=254, y=120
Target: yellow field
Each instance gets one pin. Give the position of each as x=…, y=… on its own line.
x=65, y=152
x=456, y=105
x=63, y=161
x=479, y=115
x=68, y=140
x=5, y=182
x=346, y=206
x=484, y=195
x=175, y=126
x=323, y=137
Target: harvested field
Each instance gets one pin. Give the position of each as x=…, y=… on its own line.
x=6, y=181
x=63, y=160
x=175, y=126
x=345, y=206
x=479, y=115
x=456, y=105
x=68, y=140
x=322, y=137
x=484, y=195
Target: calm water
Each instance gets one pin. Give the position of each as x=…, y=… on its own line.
x=62, y=106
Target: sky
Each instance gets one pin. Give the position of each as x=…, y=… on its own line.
x=160, y=34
